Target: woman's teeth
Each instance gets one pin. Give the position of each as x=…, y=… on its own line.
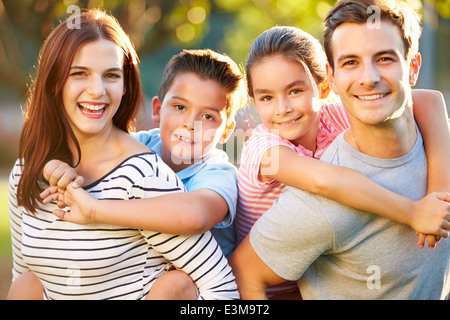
x=92, y=109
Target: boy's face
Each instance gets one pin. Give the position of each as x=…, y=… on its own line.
x=370, y=73
x=192, y=119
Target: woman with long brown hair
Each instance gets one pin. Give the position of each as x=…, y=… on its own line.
x=81, y=107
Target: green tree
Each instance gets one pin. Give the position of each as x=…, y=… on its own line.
x=152, y=24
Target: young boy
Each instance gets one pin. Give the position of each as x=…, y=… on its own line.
x=200, y=93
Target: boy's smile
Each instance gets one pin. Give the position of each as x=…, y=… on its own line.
x=192, y=119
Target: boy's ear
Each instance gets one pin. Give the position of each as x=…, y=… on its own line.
x=156, y=108
x=325, y=90
x=414, y=69
x=227, y=132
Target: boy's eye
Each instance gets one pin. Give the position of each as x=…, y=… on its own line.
x=295, y=91
x=208, y=117
x=179, y=107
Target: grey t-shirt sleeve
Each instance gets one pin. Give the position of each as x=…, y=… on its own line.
x=292, y=234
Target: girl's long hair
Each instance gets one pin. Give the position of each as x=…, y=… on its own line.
x=46, y=128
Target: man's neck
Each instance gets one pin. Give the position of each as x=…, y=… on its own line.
x=389, y=140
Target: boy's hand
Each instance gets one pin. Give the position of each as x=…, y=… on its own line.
x=432, y=218
x=53, y=193
x=60, y=174
x=81, y=204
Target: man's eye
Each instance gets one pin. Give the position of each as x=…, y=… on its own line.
x=266, y=98
x=349, y=63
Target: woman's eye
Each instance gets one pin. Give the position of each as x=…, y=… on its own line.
x=78, y=73
x=112, y=76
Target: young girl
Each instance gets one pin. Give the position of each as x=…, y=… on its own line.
x=286, y=80
x=85, y=96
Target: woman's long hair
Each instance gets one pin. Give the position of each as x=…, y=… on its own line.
x=46, y=128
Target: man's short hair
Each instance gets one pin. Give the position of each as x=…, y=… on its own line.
x=362, y=11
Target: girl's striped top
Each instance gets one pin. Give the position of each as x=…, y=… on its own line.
x=99, y=261
x=255, y=196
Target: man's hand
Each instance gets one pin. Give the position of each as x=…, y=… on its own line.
x=432, y=218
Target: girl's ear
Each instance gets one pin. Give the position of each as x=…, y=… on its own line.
x=325, y=90
x=227, y=132
x=156, y=109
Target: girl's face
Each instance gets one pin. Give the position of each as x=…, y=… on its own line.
x=94, y=88
x=287, y=101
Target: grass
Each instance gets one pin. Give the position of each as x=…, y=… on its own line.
x=5, y=238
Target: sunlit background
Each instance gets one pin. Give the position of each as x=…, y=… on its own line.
x=160, y=29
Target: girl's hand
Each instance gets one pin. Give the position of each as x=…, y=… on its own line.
x=432, y=240
x=431, y=218
x=81, y=203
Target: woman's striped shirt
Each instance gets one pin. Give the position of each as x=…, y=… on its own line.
x=100, y=261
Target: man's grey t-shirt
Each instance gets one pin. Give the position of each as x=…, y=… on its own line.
x=337, y=252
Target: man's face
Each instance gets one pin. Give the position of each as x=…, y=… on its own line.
x=370, y=74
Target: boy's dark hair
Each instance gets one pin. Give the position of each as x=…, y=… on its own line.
x=362, y=11
x=210, y=65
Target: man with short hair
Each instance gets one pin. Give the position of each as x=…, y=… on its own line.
x=334, y=251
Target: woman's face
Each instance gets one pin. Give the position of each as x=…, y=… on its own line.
x=94, y=88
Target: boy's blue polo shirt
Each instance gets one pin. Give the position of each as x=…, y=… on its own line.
x=214, y=172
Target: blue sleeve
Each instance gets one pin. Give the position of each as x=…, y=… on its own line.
x=147, y=137
x=221, y=178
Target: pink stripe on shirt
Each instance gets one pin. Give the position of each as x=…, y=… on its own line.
x=256, y=196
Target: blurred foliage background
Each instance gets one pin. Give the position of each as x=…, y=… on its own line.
x=161, y=28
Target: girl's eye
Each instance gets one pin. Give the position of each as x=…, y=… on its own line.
x=179, y=107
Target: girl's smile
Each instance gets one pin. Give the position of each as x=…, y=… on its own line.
x=285, y=97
